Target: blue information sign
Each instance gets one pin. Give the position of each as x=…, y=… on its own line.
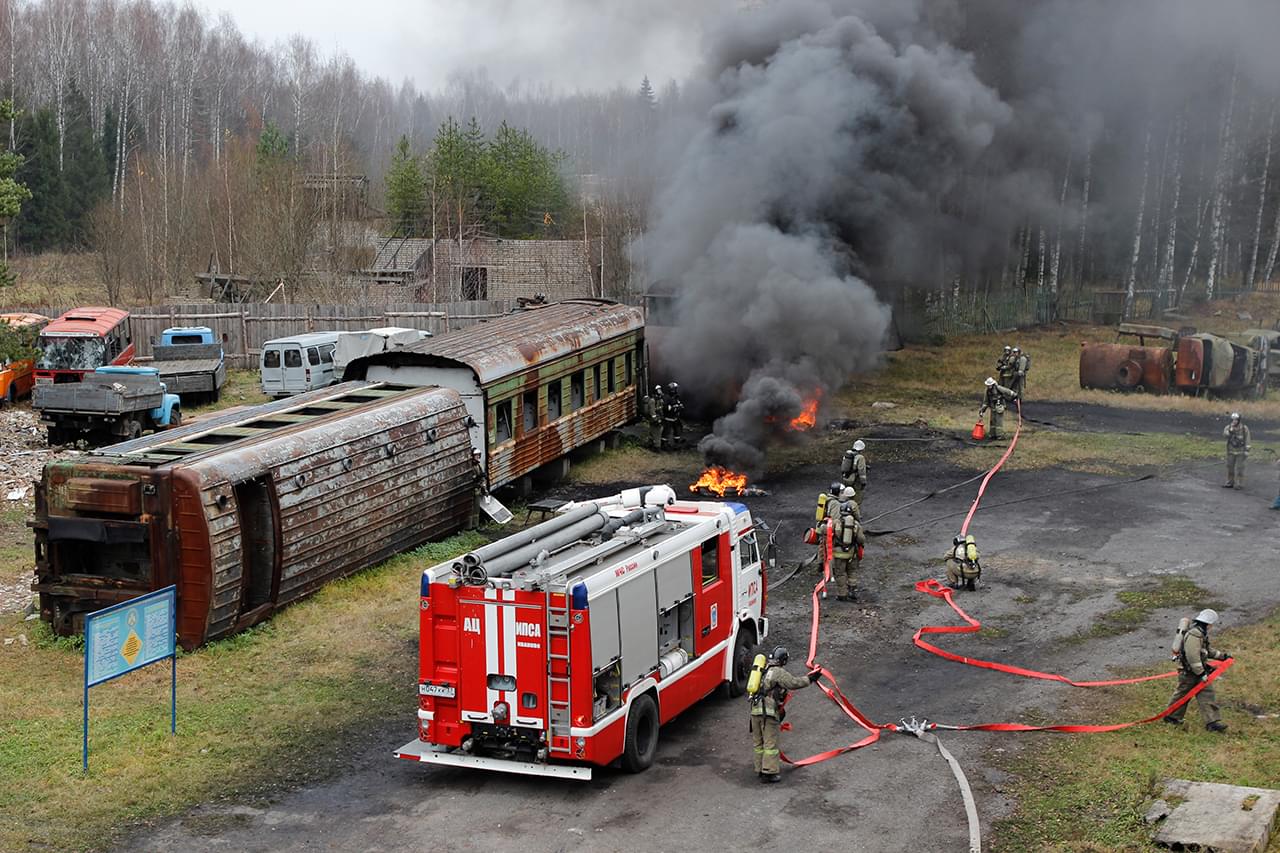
x=128, y=636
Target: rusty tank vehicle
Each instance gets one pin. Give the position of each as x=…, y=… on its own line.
x=1183, y=361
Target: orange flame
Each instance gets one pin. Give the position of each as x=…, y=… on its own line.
x=808, y=416
x=718, y=480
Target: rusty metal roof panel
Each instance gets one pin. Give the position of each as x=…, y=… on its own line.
x=509, y=345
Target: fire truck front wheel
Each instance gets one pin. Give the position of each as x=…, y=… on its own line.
x=742, y=655
x=642, y=734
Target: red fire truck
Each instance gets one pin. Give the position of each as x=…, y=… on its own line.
x=568, y=644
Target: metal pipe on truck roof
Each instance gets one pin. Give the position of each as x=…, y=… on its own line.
x=517, y=540
x=508, y=562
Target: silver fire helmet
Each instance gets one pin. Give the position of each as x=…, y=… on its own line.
x=1207, y=616
x=859, y=445
x=990, y=381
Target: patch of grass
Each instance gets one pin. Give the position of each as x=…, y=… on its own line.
x=256, y=712
x=992, y=632
x=243, y=388
x=1137, y=605
x=1094, y=452
x=1089, y=792
x=634, y=463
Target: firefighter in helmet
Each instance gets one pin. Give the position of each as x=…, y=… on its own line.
x=654, y=411
x=963, y=568
x=853, y=470
x=1237, y=436
x=1018, y=367
x=996, y=399
x=768, y=711
x=1004, y=365
x=672, y=418
x=847, y=541
x=1193, y=654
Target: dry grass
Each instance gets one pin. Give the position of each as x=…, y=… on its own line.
x=1090, y=792
x=55, y=279
x=243, y=388
x=256, y=712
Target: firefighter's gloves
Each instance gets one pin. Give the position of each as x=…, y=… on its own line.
x=815, y=675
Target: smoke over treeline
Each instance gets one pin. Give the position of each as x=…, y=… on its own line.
x=848, y=147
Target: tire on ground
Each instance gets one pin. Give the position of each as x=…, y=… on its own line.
x=742, y=649
x=642, y=734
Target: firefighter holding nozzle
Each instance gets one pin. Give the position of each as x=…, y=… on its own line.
x=767, y=689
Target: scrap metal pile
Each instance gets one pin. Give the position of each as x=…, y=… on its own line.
x=1187, y=362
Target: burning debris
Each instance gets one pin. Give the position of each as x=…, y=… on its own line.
x=808, y=417
x=720, y=481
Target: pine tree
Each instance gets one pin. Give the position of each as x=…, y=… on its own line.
x=646, y=94
x=12, y=193
x=272, y=146
x=42, y=224
x=406, y=189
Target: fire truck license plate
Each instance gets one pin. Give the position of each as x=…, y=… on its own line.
x=444, y=691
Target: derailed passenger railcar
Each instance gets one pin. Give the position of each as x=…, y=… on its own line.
x=538, y=382
x=252, y=510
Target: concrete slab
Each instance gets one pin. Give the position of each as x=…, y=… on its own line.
x=1212, y=816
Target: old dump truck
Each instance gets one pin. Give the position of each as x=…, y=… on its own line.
x=191, y=363
x=18, y=374
x=108, y=404
x=248, y=511
x=1188, y=362
x=567, y=645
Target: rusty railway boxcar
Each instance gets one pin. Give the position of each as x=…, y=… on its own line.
x=251, y=510
x=538, y=382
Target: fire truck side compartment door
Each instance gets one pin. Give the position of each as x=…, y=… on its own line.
x=675, y=581
x=605, y=643
x=638, y=624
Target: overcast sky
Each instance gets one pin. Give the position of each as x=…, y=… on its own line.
x=573, y=44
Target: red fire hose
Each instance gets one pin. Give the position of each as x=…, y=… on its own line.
x=830, y=687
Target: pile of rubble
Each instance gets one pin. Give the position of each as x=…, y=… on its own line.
x=23, y=452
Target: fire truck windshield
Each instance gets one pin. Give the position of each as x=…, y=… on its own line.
x=71, y=353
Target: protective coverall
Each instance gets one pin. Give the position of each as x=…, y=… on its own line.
x=847, y=541
x=1237, y=436
x=997, y=399
x=766, y=716
x=853, y=473
x=1192, y=669
x=963, y=565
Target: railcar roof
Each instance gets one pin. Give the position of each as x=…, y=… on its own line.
x=507, y=345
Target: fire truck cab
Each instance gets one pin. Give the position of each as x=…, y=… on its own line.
x=567, y=645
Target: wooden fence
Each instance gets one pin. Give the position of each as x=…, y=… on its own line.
x=243, y=328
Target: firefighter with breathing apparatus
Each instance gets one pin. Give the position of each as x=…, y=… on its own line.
x=767, y=688
x=1237, y=436
x=853, y=470
x=1191, y=651
x=963, y=568
x=996, y=399
x=847, y=541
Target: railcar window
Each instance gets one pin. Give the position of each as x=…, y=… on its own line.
x=502, y=422
x=577, y=390
x=626, y=372
x=313, y=356
x=271, y=358
x=613, y=377
x=529, y=403
x=596, y=396
x=710, y=565
x=293, y=358
x=553, y=401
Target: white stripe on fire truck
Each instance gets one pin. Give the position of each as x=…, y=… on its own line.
x=490, y=650
x=509, y=652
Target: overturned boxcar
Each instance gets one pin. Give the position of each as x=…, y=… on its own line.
x=251, y=510
x=538, y=382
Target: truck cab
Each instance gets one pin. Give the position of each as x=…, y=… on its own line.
x=17, y=366
x=191, y=362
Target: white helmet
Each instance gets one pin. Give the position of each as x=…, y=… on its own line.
x=847, y=493
x=990, y=381
x=1208, y=617
x=1235, y=416
x=859, y=445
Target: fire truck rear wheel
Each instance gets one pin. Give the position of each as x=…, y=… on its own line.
x=642, y=735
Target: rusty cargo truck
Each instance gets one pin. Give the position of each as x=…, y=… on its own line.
x=251, y=510
x=538, y=383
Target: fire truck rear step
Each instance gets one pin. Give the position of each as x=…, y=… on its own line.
x=416, y=750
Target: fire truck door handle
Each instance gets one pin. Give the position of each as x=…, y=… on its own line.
x=706, y=630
